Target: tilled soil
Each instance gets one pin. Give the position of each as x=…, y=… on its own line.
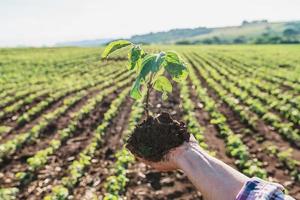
x=7, y=119
x=282, y=86
x=94, y=178
x=263, y=130
x=144, y=182
x=263, y=126
x=18, y=161
x=20, y=128
x=148, y=184
x=214, y=142
x=58, y=163
x=278, y=172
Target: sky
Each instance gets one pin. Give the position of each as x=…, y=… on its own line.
x=46, y=22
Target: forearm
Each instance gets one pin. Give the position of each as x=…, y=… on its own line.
x=213, y=178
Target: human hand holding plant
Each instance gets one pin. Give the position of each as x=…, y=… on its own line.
x=170, y=161
x=164, y=143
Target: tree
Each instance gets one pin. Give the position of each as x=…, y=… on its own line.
x=289, y=32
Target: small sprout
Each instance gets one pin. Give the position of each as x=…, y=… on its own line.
x=113, y=46
x=150, y=70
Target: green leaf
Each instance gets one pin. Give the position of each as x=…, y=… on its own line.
x=162, y=84
x=138, y=66
x=175, y=66
x=164, y=96
x=150, y=63
x=160, y=58
x=147, y=66
x=172, y=57
x=178, y=72
x=134, y=56
x=135, y=91
x=115, y=45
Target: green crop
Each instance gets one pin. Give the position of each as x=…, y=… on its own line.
x=150, y=69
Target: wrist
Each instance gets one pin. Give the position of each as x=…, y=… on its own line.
x=185, y=154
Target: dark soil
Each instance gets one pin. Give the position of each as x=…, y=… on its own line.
x=211, y=137
x=25, y=107
x=26, y=151
x=274, y=169
x=16, y=128
x=58, y=163
x=156, y=136
x=275, y=111
x=93, y=180
x=147, y=184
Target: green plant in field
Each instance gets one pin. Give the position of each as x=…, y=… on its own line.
x=8, y=193
x=150, y=69
x=60, y=193
x=4, y=129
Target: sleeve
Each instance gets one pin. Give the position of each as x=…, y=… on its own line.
x=258, y=189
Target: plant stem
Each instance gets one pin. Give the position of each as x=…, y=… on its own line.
x=149, y=88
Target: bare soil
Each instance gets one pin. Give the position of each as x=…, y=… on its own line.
x=58, y=163
x=93, y=180
x=278, y=172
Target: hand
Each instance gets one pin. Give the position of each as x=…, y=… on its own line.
x=169, y=161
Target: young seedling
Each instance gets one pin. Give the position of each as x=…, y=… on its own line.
x=155, y=136
x=150, y=69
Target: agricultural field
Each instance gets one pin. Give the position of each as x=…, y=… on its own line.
x=65, y=115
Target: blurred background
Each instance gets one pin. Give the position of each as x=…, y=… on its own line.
x=95, y=22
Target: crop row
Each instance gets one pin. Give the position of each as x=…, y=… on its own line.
x=20, y=71
x=289, y=98
x=284, y=128
x=115, y=184
x=32, y=93
x=263, y=68
x=245, y=116
x=234, y=145
x=39, y=160
x=68, y=85
x=189, y=115
x=48, y=79
x=58, y=95
x=76, y=169
x=12, y=145
x=18, y=95
x=263, y=72
x=264, y=101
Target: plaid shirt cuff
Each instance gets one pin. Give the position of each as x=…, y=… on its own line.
x=258, y=189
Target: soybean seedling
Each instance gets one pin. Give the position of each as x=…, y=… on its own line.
x=150, y=69
x=155, y=136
